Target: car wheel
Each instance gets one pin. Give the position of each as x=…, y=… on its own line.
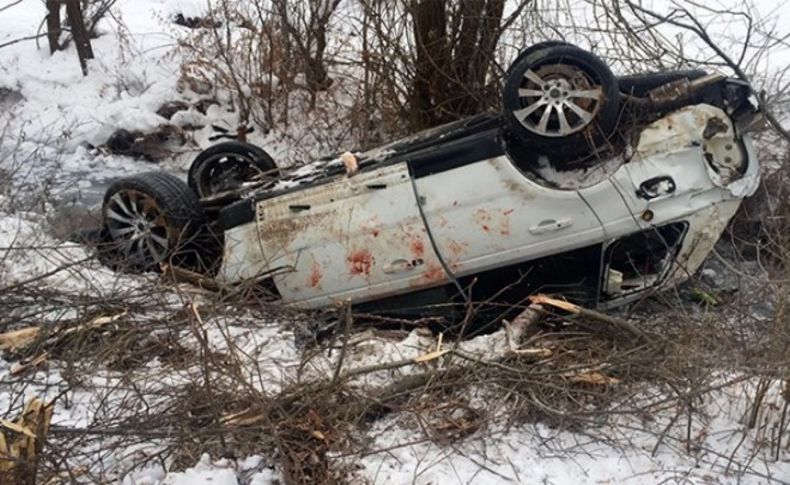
x=226, y=166
x=562, y=100
x=154, y=218
x=536, y=47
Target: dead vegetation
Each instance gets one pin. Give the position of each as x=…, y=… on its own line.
x=175, y=365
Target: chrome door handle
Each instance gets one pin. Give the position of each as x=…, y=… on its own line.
x=550, y=225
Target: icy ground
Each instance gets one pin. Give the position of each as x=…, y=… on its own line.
x=137, y=63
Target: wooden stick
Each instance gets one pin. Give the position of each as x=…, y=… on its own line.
x=618, y=323
x=187, y=276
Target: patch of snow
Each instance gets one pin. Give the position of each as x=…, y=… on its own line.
x=58, y=113
x=577, y=178
x=204, y=473
x=27, y=252
x=249, y=471
x=536, y=453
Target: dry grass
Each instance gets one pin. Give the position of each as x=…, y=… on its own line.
x=217, y=402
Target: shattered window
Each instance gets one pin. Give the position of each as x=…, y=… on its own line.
x=639, y=261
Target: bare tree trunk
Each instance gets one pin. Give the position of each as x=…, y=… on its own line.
x=305, y=24
x=53, y=25
x=316, y=76
x=80, y=33
x=286, y=73
x=366, y=124
x=430, y=34
x=481, y=57
x=455, y=45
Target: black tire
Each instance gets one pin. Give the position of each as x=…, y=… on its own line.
x=544, y=118
x=226, y=166
x=155, y=218
x=536, y=47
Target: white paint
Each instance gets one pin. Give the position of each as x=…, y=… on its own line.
x=353, y=238
x=487, y=215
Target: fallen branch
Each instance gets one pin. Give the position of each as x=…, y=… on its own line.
x=618, y=323
x=385, y=398
x=29, y=364
x=182, y=275
x=18, y=340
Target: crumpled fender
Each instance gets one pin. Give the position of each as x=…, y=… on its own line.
x=731, y=159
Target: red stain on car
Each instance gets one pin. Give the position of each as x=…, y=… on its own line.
x=360, y=262
x=456, y=249
x=504, y=222
x=417, y=248
x=483, y=218
x=433, y=272
x=315, y=276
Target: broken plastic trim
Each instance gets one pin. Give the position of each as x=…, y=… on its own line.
x=236, y=214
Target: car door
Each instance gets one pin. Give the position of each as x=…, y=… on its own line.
x=643, y=205
x=668, y=176
x=357, y=238
x=488, y=215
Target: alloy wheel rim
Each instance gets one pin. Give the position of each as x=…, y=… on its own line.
x=557, y=100
x=137, y=225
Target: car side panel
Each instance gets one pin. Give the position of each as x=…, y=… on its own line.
x=488, y=214
x=356, y=238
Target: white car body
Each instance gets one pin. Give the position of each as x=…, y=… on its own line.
x=386, y=231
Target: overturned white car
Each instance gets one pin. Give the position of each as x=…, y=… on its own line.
x=596, y=187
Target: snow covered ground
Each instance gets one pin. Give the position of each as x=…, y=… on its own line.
x=631, y=449
x=49, y=134
x=62, y=111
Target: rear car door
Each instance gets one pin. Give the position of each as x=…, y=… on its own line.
x=357, y=238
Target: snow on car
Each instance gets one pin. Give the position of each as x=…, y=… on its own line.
x=596, y=187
